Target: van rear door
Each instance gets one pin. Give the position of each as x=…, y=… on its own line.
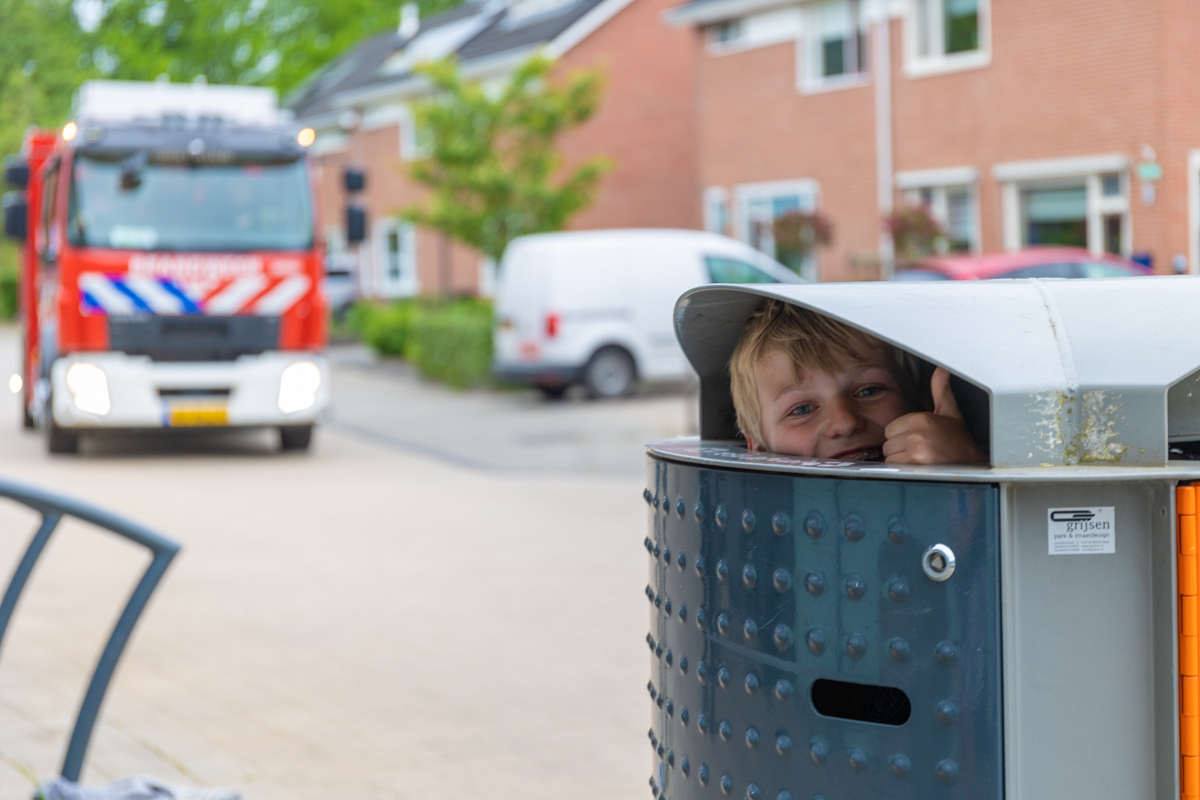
x=521, y=299
x=662, y=272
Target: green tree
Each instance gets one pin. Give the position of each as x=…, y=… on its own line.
x=38, y=75
x=276, y=43
x=492, y=164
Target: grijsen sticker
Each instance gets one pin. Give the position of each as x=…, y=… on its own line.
x=1078, y=531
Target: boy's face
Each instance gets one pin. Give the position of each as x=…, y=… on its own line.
x=838, y=416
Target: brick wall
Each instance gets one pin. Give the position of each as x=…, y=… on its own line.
x=756, y=126
x=646, y=125
x=1069, y=78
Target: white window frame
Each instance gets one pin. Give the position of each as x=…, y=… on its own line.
x=809, y=52
x=409, y=283
x=938, y=62
x=717, y=196
x=939, y=182
x=1016, y=177
x=746, y=193
x=777, y=26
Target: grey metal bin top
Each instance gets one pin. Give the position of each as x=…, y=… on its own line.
x=1072, y=372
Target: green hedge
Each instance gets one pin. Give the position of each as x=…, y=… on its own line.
x=452, y=343
x=9, y=256
x=446, y=340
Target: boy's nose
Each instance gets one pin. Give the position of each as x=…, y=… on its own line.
x=843, y=419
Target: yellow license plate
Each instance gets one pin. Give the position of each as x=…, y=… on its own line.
x=197, y=415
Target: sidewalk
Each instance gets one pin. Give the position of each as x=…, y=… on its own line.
x=360, y=622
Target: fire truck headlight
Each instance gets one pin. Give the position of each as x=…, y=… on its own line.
x=90, y=388
x=298, y=387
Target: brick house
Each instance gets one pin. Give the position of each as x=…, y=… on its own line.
x=360, y=107
x=1018, y=122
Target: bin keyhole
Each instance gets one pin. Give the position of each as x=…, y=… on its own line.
x=938, y=562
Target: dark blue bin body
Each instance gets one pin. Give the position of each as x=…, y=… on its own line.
x=761, y=585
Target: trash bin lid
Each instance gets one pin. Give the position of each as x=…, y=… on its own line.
x=1075, y=371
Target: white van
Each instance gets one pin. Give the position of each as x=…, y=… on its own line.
x=596, y=307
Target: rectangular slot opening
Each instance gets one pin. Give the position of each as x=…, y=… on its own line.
x=861, y=702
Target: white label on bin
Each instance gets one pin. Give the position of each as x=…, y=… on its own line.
x=1080, y=531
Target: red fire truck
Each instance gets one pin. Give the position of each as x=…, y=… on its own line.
x=171, y=272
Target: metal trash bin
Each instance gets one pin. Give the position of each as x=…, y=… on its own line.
x=843, y=630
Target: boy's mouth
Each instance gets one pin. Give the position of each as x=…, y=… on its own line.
x=864, y=454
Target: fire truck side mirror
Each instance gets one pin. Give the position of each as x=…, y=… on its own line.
x=15, y=215
x=16, y=172
x=354, y=179
x=356, y=223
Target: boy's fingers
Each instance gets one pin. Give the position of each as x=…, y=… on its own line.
x=944, y=404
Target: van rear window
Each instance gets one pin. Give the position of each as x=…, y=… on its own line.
x=729, y=270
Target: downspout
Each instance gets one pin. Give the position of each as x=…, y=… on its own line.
x=883, y=135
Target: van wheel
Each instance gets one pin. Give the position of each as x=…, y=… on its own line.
x=295, y=437
x=610, y=373
x=58, y=439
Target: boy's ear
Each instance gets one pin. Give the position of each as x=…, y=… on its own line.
x=751, y=444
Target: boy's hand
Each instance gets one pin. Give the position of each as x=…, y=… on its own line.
x=937, y=438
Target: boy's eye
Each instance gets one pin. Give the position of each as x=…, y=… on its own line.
x=871, y=390
x=801, y=410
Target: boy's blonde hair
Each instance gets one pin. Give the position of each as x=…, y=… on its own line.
x=811, y=341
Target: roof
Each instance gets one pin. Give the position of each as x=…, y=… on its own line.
x=1069, y=372
x=472, y=32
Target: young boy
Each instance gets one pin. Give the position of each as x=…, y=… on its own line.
x=807, y=385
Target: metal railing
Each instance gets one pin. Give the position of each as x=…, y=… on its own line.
x=53, y=508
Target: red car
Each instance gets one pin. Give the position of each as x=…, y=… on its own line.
x=1037, y=262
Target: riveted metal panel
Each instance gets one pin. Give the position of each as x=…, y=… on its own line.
x=762, y=584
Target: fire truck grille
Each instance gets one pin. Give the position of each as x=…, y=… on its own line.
x=192, y=338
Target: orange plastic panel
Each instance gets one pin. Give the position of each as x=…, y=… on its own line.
x=1185, y=500
x=1187, y=616
x=1191, y=700
x=1187, y=536
x=1189, y=655
x=1189, y=736
x=1187, y=575
x=1191, y=775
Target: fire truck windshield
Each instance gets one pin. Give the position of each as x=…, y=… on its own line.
x=238, y=206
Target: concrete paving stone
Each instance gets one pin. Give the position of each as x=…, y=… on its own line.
x=369, y=620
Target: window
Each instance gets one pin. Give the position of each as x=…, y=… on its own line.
x=1044, y=271
x=1082, y=201
x=726, y=32
x=754, y=30
x=944, y=35
x=48, y=235
x=1055, y=217
x=951, y=197
x=760, y=205
x=716, y=210
x=730, y=270
x=1096, y=269
x=395, y=259
x=835, y=44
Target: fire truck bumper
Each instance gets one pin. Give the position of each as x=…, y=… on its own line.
x=116, y=390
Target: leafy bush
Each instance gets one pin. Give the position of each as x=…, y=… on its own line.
x=452, y=342
x=8, y=282
x=446, y=340
x=386, y=328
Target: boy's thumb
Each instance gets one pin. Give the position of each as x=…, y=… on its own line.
x=944, y=403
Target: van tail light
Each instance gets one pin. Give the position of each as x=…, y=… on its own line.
x=553, y=323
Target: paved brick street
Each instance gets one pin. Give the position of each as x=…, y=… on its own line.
x=364, y=621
